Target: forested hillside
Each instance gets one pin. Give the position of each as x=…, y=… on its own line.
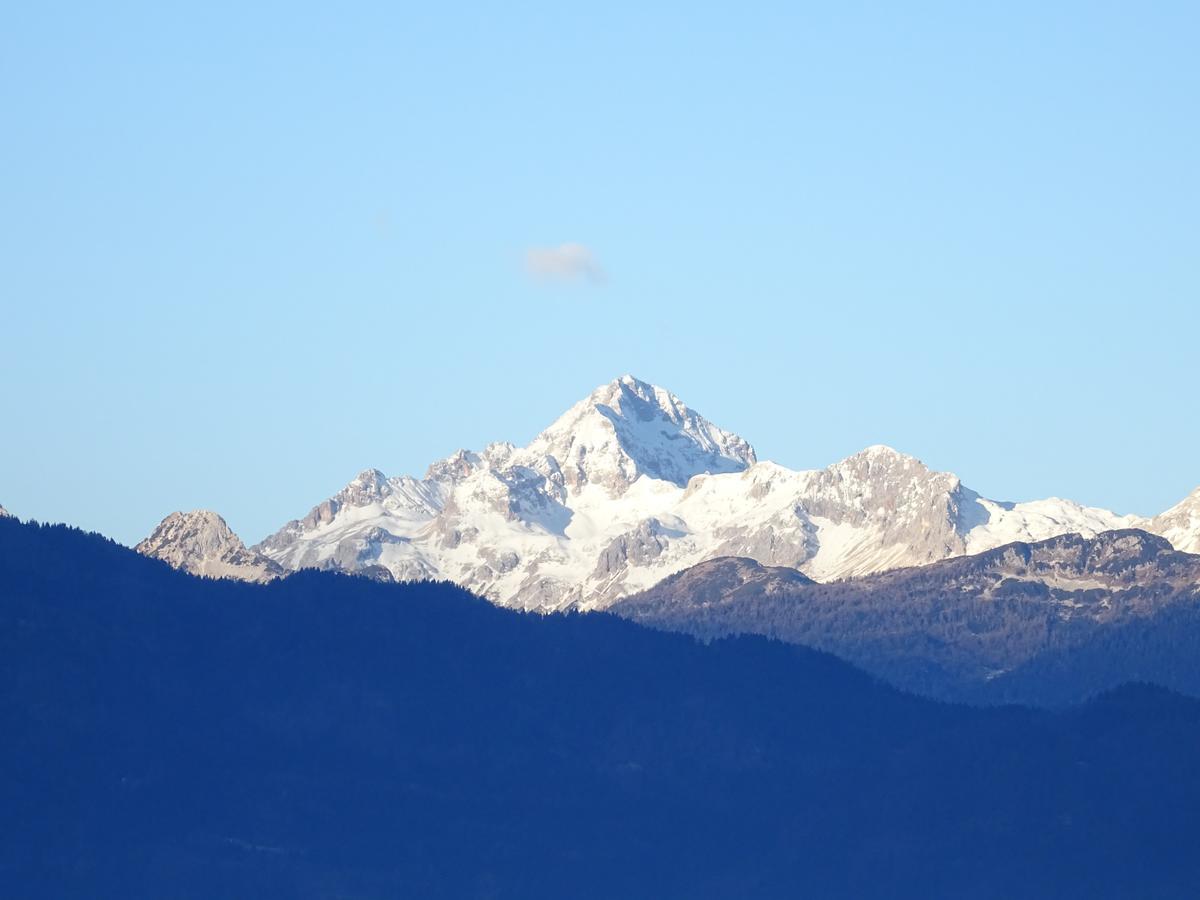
x=326, y=736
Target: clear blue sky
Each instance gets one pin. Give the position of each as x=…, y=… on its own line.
x=245, y=253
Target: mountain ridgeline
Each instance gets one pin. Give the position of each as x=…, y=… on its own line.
x=322, y=736
x=630, y=486
x=1021, y=623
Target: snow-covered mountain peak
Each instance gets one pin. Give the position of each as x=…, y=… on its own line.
x=1181, y=523
x=628, y=428
x=4, y=513
x=202, y=543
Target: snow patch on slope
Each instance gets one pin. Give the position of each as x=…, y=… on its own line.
x=1181, y=524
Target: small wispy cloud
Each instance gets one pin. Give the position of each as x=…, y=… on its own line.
x=566, y=262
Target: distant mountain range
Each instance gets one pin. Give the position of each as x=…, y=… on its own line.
x=324, y=736
x=630, y=486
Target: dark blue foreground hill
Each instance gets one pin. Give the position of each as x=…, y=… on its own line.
x=326, y=736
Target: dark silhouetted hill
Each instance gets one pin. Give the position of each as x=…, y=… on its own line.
x=323, y=736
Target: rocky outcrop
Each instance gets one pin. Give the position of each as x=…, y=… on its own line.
x=200, y=542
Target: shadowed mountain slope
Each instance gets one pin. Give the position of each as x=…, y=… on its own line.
x=955, y=628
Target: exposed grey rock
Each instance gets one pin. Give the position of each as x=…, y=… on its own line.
x=500, y=562
x=542, y=593
x=638, y=547
x=200, y=542
x=786, y=541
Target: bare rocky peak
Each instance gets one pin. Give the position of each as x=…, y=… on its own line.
x=628, y=428
x=200, y=542
x=882, y=484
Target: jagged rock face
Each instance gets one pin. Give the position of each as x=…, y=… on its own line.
x=1181, y=524
x=946, y=628
x=201, y=543
x=638, y=547
x=630, y=486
